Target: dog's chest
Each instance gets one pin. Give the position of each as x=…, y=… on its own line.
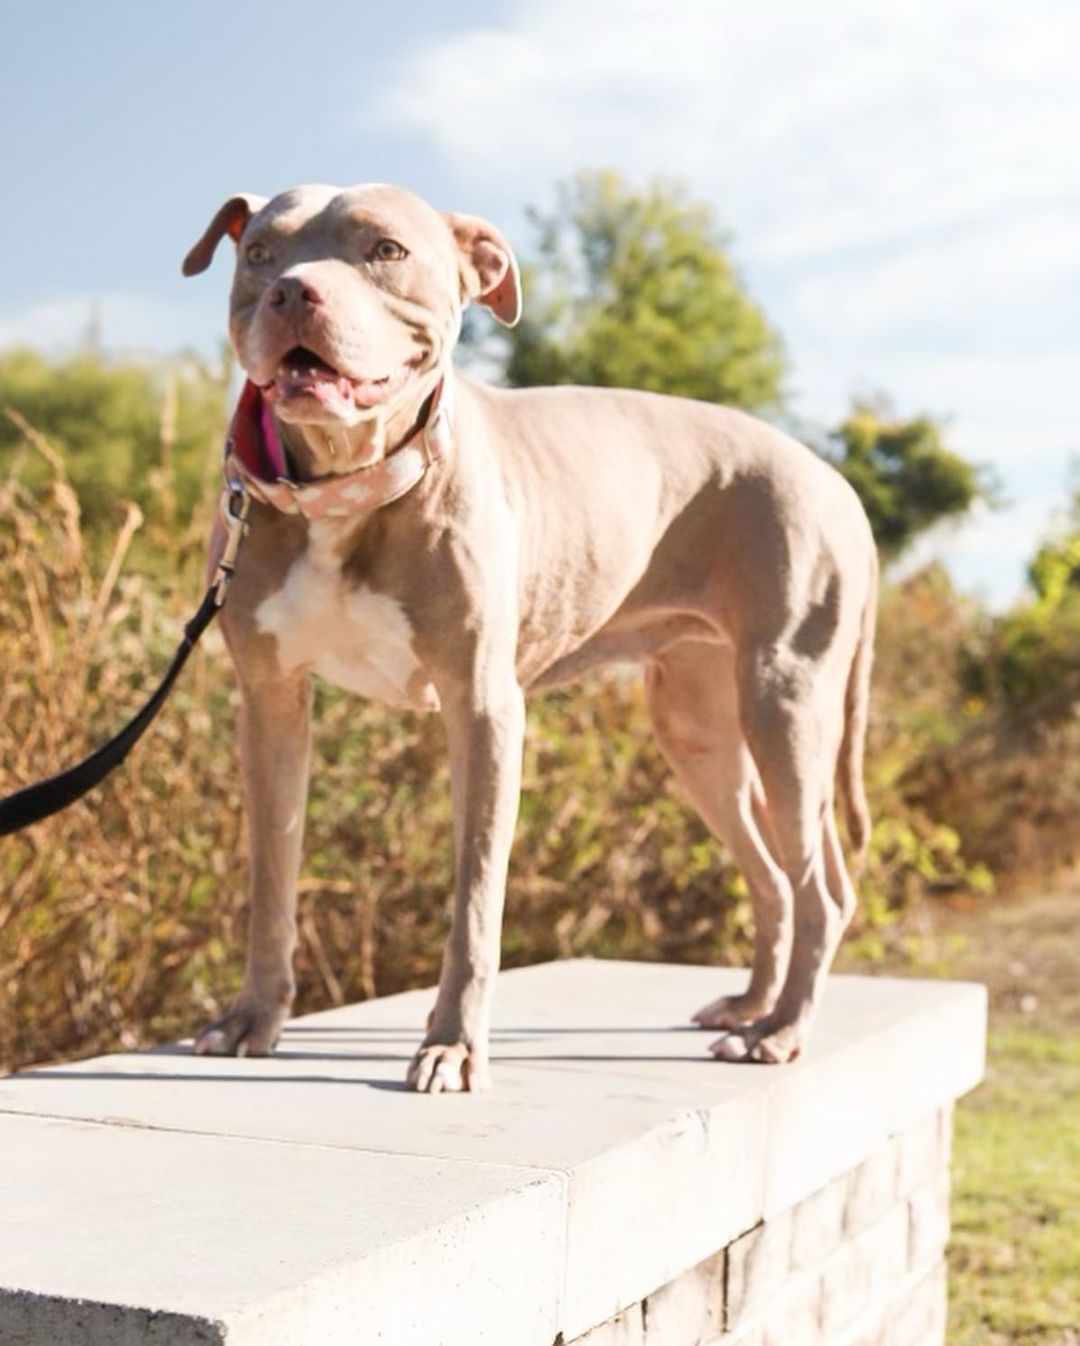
x=348, y=634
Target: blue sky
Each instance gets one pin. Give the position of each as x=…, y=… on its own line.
x=902, y=182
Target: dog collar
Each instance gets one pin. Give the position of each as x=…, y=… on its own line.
x=254, y=453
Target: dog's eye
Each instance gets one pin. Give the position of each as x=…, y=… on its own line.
x=388, y=250
x=256, y=254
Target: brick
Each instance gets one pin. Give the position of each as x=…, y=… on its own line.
x=874, y=1332
x=796, y=1319
x=886, y=1247
x=928, y=1222
x=946, y=1116
x=862, y=1294
x=757, y=1265
x=688, y=1311
x=921, y=1153
x=871, y=1188
x=864, y=1271
x=918, y=1316
x=845, y=1289
x=817, y=1225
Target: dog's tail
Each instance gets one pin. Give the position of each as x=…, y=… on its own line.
x=849, y=767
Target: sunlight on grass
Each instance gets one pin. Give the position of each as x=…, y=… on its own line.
x=1015, y=1256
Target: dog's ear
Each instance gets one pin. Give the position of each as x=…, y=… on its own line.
x=231, y=219
x=487, y=266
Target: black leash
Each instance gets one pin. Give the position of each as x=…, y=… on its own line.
x=50, y=796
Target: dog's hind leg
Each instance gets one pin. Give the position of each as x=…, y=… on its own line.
x=694, y=707
x=792, y=717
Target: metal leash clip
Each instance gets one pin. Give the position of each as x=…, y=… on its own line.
x=235, y=504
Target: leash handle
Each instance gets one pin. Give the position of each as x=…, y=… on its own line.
x=50, y=796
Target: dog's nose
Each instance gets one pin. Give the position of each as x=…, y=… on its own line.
x=294, y=292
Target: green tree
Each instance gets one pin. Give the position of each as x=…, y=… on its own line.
x=1054, y=570
x=1029, y=657
x=903, y=472
x=638, y=289
x=126, y=430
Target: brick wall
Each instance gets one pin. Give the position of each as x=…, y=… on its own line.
x=859, y=1263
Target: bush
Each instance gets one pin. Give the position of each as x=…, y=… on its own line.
x=124, y=429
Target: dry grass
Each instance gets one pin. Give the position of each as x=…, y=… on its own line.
x=90, y=950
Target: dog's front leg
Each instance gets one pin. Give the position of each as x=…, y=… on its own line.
x=485, y=728
x=275, y=733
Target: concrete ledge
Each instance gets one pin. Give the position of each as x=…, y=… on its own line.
x=307, y=1198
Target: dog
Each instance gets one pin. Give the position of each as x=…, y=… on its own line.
x=435, y=543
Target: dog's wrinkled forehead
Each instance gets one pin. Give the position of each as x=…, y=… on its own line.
x=331, y=221
x=463, y=254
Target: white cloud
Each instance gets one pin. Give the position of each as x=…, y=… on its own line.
x=1004, y=406
x=1006, y=271
x=815, y=127
x=122, y=322
x=990, y=553
x=902, y=182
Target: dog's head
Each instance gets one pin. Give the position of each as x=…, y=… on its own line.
x=344, y=297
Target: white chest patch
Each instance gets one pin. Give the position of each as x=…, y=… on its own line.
x=353, y=637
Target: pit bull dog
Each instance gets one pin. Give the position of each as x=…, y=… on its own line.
x=435, y=543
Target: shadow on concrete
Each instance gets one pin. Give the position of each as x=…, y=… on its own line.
x=187, y=1077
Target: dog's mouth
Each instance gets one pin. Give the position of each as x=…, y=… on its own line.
x=304, y=376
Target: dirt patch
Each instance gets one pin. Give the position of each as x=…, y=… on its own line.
x=1025, y=948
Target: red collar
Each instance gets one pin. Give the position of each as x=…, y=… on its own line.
x=253, y=451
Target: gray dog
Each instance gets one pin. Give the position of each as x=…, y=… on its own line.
x=437, y=544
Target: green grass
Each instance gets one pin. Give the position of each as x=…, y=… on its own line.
x=1015, y=1254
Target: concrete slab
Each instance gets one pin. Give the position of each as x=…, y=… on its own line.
x=602, y=1094
x=114, y=1234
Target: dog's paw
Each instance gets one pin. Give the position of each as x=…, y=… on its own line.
x=246, y=1030
x=447, y=1068
x=730, y=1011
x=765, y=1042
